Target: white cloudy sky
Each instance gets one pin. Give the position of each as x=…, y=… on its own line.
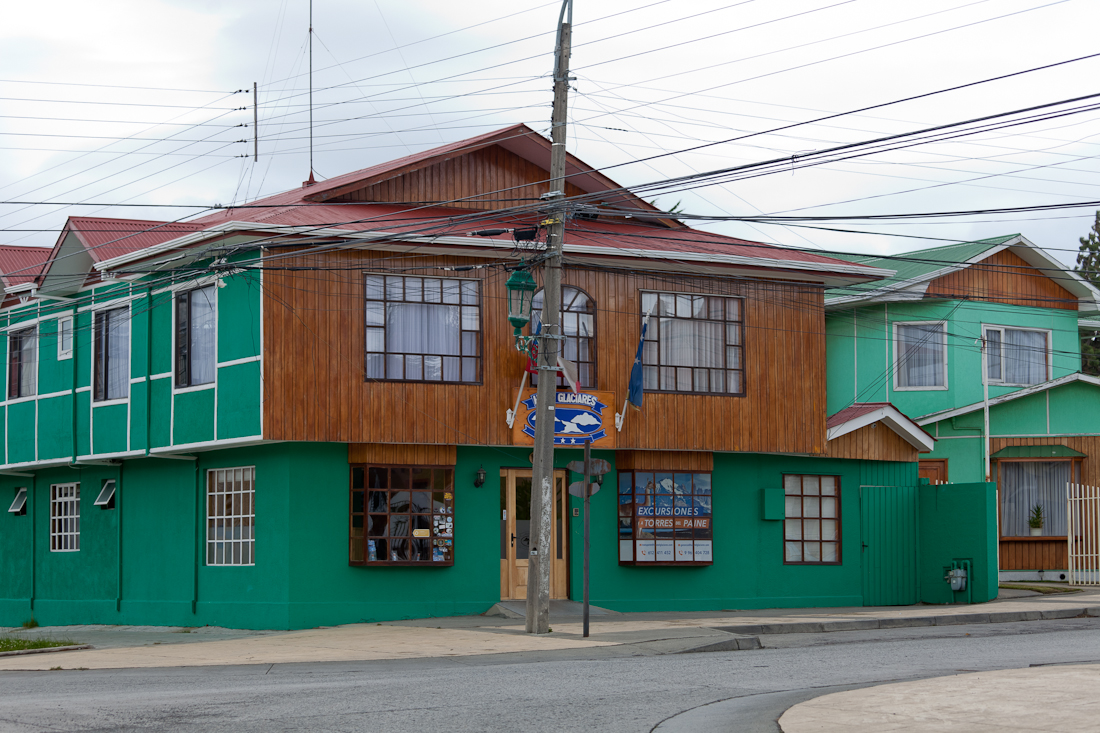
x=130, y=101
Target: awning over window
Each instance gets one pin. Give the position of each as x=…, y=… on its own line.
x=1037, y=451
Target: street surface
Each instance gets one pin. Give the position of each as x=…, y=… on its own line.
x=564, y=690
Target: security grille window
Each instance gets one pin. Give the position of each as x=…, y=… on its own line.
x=423, y=329
x=112, y=354
x=64, y=517
x=1027, y=484
x=1016, y=356
x=402, y=516
x=64, y=338
x=231, y=516
x=578, y=325
x=694, y=343
x=665, y=518
x=19, y=504
x=811, y=531
x=921, y=356
x=22, y=363
x=195, y=336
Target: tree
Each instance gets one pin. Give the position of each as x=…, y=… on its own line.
x=1088, y=267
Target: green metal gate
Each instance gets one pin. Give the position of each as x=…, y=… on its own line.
x=888, y=525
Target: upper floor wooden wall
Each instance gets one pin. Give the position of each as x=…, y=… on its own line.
x=1003, y=278
x=314, y=364
x=461, y=180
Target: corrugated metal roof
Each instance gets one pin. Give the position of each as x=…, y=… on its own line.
x=1037, y=451
x=108, y=238
x=912, y=265
x=21, y=264
x=853, y=411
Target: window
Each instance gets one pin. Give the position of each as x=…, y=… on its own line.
x=106, y=498
x=22, y=363
x=230, y=516
x=1016, y=356
x=195, y=337
x=64, y=338
x=811, y=531
x=112, y=354
x=19, y=505
x=578, y=321
x=1027, y=484
x=665, y=517
x=402, y=516
x=920, y=356
x=693, y=343
x=423, y=329
x=65, y=518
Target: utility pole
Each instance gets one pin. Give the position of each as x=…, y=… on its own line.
x=255, y=123
x=542, y=494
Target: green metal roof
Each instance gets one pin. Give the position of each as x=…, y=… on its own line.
x=910, y=265
x=1037, y=451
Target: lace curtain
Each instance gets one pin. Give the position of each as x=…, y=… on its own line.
x=920, y=355
x=1025, y=484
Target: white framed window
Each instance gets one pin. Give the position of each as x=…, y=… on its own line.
x=230, y=516
x=64, y=338
x=920, y=355
x=196, y=336
x=1017, y=355
x=19, y=504
x=111, y=365
x=64, y=517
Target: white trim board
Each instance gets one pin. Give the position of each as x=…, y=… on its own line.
x=1034, y=389
x=892, y=418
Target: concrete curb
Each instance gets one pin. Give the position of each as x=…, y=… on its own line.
x=726, y=645
x=866, y=624
x=20, y=652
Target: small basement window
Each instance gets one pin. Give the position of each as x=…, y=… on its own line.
x=106, y=498
x=19, y=506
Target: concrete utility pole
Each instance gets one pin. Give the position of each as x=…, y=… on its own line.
x=542, y=495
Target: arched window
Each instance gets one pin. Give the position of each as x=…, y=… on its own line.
x=578, y=321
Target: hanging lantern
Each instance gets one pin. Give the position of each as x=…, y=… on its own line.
x=520, y=287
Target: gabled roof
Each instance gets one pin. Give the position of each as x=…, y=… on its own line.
x=106, y=239
x=19, y=265
x=861, y=414
x=1025, y=392
x=914, y=270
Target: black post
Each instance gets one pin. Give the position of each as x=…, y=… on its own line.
x=587, y=524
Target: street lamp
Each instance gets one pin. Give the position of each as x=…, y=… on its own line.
x=520, y=288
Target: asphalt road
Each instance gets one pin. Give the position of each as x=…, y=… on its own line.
x=726, y=691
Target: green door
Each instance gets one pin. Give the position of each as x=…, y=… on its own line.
x=888, y=525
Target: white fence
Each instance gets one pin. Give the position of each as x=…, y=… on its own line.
x=1083, y=530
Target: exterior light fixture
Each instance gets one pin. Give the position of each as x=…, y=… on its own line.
x=480, y=477
x=520, y=288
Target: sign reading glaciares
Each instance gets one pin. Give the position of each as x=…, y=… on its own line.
x=577, y=417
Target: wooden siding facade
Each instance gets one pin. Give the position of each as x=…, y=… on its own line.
x=874, y=442
x=314, y=366
x=1003, y=278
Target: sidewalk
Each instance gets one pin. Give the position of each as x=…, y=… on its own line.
x=1058, y=698
x=612, y=634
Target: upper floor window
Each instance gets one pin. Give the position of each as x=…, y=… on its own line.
x=423, y=329
x=920, y=356
x=1016, y=356
x=64, y=338
x=694, y=343
x=578, y=325
x=22, y=363
x=112, y=354
x=195, y=336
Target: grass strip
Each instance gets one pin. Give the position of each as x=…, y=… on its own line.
x=17, y=644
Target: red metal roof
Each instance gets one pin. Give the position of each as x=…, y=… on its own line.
x=108, y=238
x=854, y=411
x=21, y=264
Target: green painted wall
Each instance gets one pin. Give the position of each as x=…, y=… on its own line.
x=958, y=522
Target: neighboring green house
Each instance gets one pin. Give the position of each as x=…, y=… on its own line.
x=916, y=340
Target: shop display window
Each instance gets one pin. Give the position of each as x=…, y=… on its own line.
x=401, y=515
x=665, y=518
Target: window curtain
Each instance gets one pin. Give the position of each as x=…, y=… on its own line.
x=425, y=328
x=28, y=369
x=691, y=343
x=1025, y=357
x=118, y=353
x=920, y=356
x=202, y=336
x=1025, y=484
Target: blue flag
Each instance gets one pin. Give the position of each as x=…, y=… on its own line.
x=635, y=391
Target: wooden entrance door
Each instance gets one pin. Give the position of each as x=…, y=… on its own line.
x=935, y=470
x=515, y=535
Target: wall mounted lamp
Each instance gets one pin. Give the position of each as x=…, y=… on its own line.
x=479, y=479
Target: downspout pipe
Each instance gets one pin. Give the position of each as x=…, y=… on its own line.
x=118, y=519
x=148, y=370
x=34, y=536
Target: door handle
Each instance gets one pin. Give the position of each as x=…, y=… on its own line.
x=513, y=540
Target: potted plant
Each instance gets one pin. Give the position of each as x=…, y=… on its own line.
x=1035, y=521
